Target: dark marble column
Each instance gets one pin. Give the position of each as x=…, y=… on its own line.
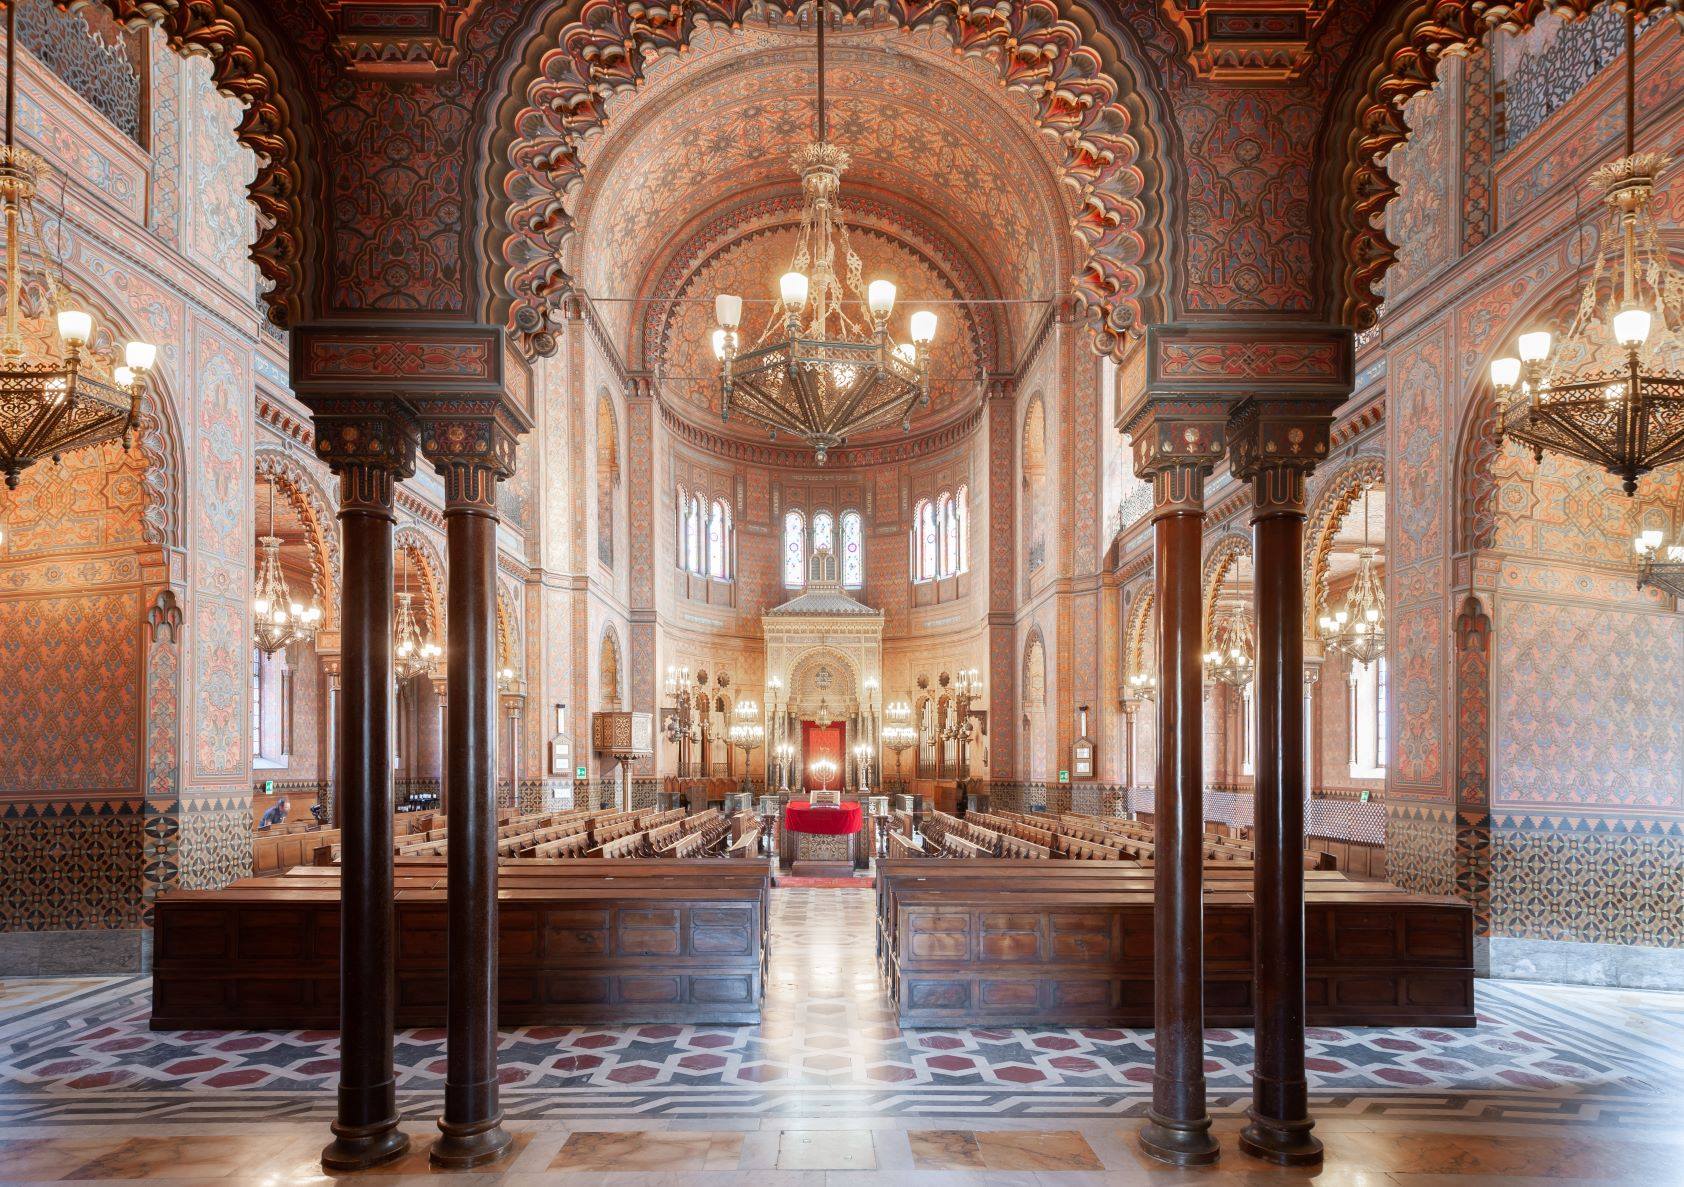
x=473, y=449
x=370, y=449
x=1175, y=444
x=1275, y=445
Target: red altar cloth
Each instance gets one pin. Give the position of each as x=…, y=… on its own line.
x=801, y=817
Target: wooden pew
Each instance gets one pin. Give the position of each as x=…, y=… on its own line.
x=986, y=943
x=629, y=942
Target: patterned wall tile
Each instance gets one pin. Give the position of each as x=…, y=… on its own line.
x=70, y=866
x=70, y=702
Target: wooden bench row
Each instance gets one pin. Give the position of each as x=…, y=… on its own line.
x=580, y=942
x=997, y=942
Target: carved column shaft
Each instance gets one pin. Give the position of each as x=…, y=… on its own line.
x=1176, y=443
x=472, y=453
x=370, y=449
x=1276, y=444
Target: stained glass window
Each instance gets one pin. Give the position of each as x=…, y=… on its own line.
x=853, y=550
x=949, y=535
x=926, y=541
x=795, y=551
x=693, y=536
x=719, y=535
x=824, y=532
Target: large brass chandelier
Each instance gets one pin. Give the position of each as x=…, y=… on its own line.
x=276, y=620
x=1658, y=568
x=1358, y=628
x=1628, y=419
x=1231, y=659
x=818, y=371
x=50, y=404
x=412, y=654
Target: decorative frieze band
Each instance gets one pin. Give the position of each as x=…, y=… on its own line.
x=415, y=362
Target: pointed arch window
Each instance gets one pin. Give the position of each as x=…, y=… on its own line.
x=927, y=541
x=719, y=541
x=949, y=535
x=853, y=550
x=693, y=535
x=795, y=550
x=941, y=536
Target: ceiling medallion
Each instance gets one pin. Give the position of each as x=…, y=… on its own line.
x=49, y=404
x=818, y=372
x=1628, y=420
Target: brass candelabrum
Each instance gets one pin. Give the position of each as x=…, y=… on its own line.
x=899, y=735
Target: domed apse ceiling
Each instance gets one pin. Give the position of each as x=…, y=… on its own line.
x=690, y=191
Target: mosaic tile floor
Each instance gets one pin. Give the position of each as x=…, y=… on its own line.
x=827, y=1085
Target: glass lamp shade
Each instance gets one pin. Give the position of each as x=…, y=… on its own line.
x=1535, y=346
x=923, y=327
x=1631, y=327
x=1649, y=541
x=719, y=340
x=140, y=355
x=1505, y=372
x=792, y=287
x=124, y=376
x=880, y=298
x=728, y=310
x=75, y=326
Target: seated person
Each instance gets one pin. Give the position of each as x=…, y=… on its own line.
x=319, y=812
x=277, y=814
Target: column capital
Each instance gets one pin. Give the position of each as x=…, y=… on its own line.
x=369, y=443
x=471, y=443
x=1275, y=441
x=1177, y=442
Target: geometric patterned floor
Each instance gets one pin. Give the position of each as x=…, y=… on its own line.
x=73, y=1051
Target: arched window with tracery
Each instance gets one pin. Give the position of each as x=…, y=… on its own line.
x=941, y=536
x=719, y=541
x=795, y=550
x=853, y=550
x=927, y=541
x=949, y=535
x=824, y=532
x=693, y=535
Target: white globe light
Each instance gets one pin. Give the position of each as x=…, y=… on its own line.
x=1535, y=346
x=1631, y=327
x=75, y=326
x=880, y=298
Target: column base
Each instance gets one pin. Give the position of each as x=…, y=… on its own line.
x=460, y=1147
x=1178, y=1143
x=360, y=1149
x=1284, y=1143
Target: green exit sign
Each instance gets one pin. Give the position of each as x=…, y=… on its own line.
x=1064, y=776
x=268, y=787
x=580, y=773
